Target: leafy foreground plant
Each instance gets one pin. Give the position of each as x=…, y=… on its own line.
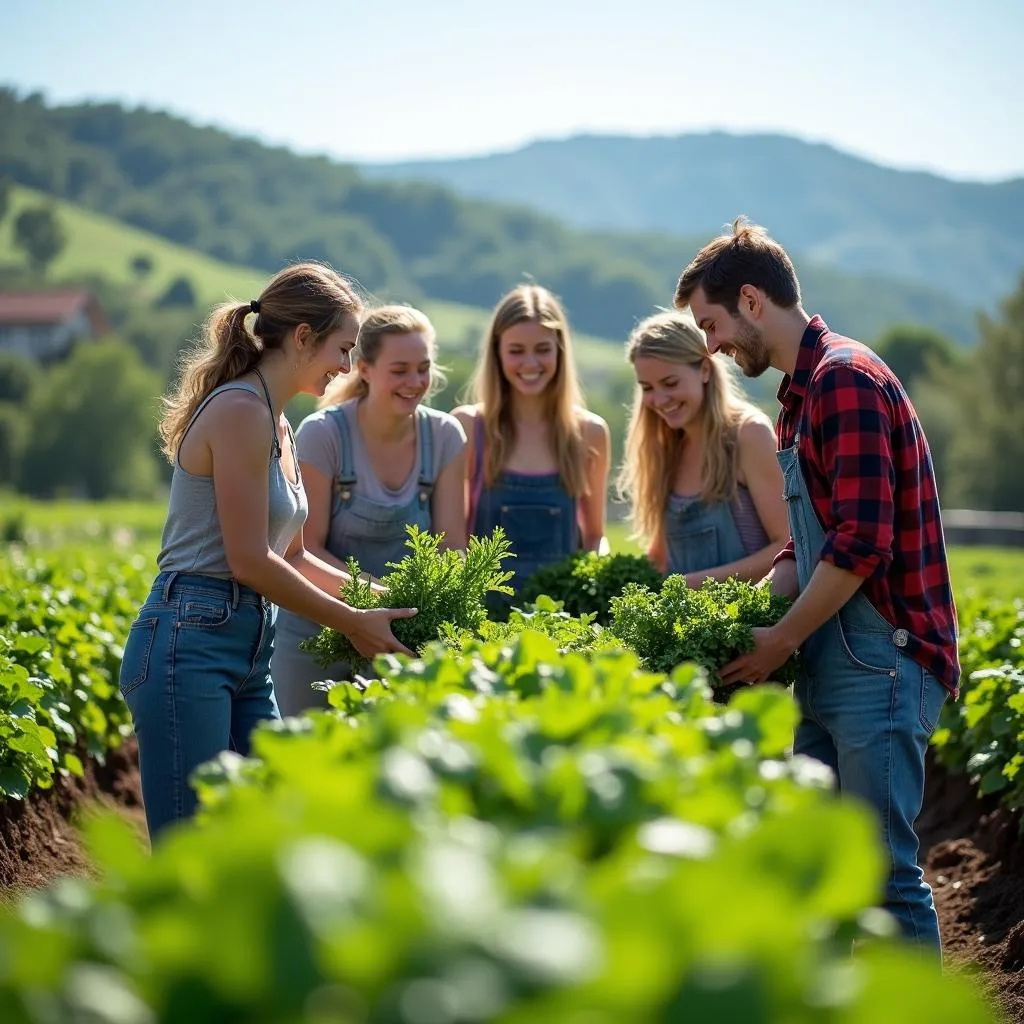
x=63, y=616
x=982, y=734
x=578, y=633
x=585, y=582
x=505, y=834
x=448, y=588
x=710, y=625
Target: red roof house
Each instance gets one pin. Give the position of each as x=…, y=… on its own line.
x=44, y=325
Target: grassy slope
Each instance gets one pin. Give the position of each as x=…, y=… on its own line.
x=100, y=245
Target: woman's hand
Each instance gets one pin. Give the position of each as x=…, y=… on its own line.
x=369, y=629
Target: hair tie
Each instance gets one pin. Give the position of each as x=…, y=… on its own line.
x=254, y=305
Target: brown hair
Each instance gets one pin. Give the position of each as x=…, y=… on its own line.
x=747, y=256
x=653, y=447
x=491, y=391
x=376, y=326
x=306, y=293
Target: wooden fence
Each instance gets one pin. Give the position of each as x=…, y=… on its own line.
x=969, y=527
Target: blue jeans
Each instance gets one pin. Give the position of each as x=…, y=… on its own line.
x=196, y=678
x=867, y=712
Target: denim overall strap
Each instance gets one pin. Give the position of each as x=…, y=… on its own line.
x=345, y=482
x=425, y=487
x=477, y=480
x=700, y=535
x=867, y=711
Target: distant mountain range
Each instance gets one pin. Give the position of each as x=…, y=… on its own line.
x=964, y=238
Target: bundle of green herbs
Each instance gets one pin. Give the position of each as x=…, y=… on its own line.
x=447, y=587
x=709, y=625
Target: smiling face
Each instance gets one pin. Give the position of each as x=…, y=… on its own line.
x=731, y=335
x=528, y=354
x=675, y=391
x=399, y=378
x=331, y=357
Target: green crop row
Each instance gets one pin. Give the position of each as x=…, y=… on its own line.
x=526, y=823
x=63, y=620
x=498, y=832
x=982, y=734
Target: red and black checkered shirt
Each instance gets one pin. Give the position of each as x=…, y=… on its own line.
x=871, y=481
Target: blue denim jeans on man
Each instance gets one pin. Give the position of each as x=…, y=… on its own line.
x=867, y=711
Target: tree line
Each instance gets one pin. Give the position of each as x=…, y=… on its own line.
x=261, y=206
x=66, y=431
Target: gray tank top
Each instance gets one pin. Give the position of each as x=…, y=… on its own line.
x=192, y=539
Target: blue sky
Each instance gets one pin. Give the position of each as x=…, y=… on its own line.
x=936, y=86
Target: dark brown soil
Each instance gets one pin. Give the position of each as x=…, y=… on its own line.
x=973, y=853
x=972, y=850
x=38, y=837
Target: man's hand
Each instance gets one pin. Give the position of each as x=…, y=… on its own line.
x=771, y=650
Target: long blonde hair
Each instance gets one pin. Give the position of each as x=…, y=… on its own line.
x=376, y=325
x=305, y=293
x=653, y=448
x=529, y=303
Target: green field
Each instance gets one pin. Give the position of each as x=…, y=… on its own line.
x=544, y=768
x=988, y=572
x=981, y=572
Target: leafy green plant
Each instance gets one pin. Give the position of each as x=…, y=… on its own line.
x=62, y=617
x=502, y=833
x=580, y=634
x=28, y=747
x=448, y=589
x=982, y=734
x=710, y=625
x=585, y=582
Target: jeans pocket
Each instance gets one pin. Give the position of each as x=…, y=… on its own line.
x=204, y=612
x=933, y=696
x=137, y=649
x=868, y=651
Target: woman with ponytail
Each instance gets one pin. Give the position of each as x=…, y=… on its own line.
x=195, y=673
x=538, y=460
x=700, y=468
x=374, y=460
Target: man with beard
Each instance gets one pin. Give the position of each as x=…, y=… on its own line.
x=873, y=612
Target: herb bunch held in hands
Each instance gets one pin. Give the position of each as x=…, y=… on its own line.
x=447, y=587
x=710, y=625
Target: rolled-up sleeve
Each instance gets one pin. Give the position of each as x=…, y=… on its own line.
x=788, y=552
x=852, y=426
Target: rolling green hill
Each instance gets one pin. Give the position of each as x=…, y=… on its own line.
x=101, y=247
x=257, y=206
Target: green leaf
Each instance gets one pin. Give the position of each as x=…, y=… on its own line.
x=14, y=782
